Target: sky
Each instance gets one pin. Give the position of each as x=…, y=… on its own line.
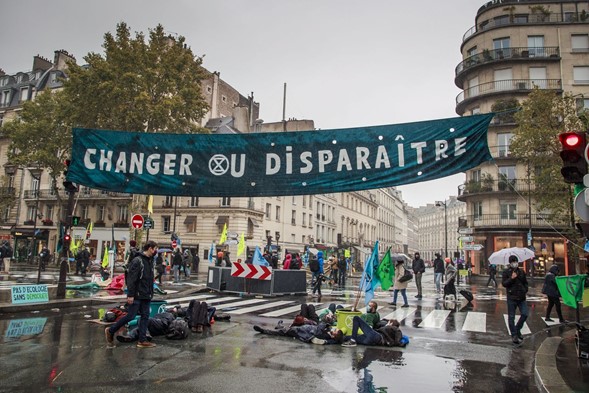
x=346, y=63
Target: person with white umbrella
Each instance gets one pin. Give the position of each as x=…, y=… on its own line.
x=516, y=285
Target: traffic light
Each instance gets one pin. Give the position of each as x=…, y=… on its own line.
x=574, y=165
x=75, y=221
x=66, y=240
x=68, y=185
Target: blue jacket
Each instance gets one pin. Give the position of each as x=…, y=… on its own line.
x=320, y=259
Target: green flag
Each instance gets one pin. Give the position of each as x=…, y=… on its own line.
x=386, y=271
x=571, y=289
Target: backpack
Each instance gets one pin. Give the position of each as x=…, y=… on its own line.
x=314, y=265
x=294, y=264
x=178, y=330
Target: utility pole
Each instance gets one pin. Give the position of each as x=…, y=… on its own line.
x=63, y=266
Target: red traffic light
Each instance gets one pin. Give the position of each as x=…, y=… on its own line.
x=570, y=139
x=67, y=237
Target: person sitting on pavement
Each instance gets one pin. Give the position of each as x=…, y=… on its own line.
x=389, y=335
x=199, y=315
x=371, y=316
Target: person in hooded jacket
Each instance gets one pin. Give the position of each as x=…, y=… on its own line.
x=450, y=287
x=319, y=275
x=286, y=263
x=418, y=270
x=400, y=286
x=516, y=284
x=550, y=289
x=438, y=272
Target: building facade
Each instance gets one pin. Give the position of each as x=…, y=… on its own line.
x=514, y=47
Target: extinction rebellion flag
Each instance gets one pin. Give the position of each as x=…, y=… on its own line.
x=278, y=163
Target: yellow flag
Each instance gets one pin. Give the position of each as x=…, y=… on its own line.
x=223, y=235
x=347, y=253
x=73, y=247
x=89, y=230
x=241, y=245
x=150, y=204
x=105, y=257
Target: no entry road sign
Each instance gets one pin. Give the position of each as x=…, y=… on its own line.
x=137, y=221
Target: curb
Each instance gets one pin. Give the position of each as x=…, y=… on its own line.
x=546, y=373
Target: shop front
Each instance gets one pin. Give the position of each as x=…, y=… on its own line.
x=28, y=243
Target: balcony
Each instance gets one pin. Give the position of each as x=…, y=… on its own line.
x=519, y=20
x=489, y=186
x=507, y=86
x=518, y=220
x=504, y=55
x=51, y=194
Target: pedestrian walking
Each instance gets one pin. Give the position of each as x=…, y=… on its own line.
x=550, y=289
x=342, y=265
x=418, y=270
x=400, y=286
x=159, y=268
x=195, y=262
x=139, y=295
x=177, y=264
x=492, y=274
x=516, y=285
x=187, y=262
x=318, y=275
x=450, y=288
x=438, y=272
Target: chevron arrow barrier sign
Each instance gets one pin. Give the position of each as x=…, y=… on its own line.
x=246, y=270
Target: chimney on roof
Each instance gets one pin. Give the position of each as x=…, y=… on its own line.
x=61, y=58
x=2, y=73
x=41, y=63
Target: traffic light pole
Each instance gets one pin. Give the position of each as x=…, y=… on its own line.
x=63, y=265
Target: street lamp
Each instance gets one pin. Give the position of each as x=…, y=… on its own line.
x=36, y=174
x=438, y=204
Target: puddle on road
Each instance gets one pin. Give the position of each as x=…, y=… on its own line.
x=378, y=370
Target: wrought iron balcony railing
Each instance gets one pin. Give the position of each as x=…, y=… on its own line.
x=489, y=186
x=521, y=19
x=522, y=220
x=489, y=56
x=507, y=85
x=83, y=194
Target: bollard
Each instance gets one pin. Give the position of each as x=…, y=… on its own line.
x=63, y=269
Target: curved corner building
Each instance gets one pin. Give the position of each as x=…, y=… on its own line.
x=514, y=46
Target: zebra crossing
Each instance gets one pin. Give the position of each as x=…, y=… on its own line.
x=423, y=318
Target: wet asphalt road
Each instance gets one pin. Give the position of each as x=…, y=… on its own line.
x=61, y=351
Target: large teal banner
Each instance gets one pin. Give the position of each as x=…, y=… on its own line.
x=281, y=163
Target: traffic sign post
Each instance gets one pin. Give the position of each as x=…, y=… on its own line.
x=465, y=231
x=148, y=223
x=137, y=221
x=472, y=247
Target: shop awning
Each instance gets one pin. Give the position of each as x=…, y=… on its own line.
x=222, y=220
x=254, y=222
x=189, y=220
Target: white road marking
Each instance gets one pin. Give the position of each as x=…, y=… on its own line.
x=285, y=311
x=400, y=313
x=554, y=322
x=260, y=307
x=525, y=328
x=475, y=322
x=435, y=319
x=182, y=299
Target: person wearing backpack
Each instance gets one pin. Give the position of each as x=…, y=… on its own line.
x=295, y=262
x=318, y=275
x=314, y=268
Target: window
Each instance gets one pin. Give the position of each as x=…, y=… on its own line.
x=226, y=201
x=475, y=175
x=471, y=52
x=193, y=202
x=501, y=46
x=304, y=219
x=503, y=79
x=580, y=42
x=84, y=211
x=277, y=213
x=24, y=94
x=31, y=213
x=581, y=75
x=53, y=77
x=507, y=210
x=503, y=142
x=49, y=212
x=293, y=217
x=304, y=196
x=100, y=213
x=536, y=46
x=502, y=20
x=520, y=19
x=1, y=119
x=5, y=101
x=582, y=105
x=476, y=111
x=310, y=221
x=268, y=209
x=209, y=89
x=477, y=210
x=294, y=201
x=3, y=81
x=168, y=201
x=507, y=178
x=223, y=98
x=473, y=87
x=166, y=223
x=123, y=213
x=538, y=76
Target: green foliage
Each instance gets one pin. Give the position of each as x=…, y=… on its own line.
x=152, y=86
x=543, y=116
x=40, y=136
x=505, y=110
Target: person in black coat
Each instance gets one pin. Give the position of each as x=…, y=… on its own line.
x=439, y=271
x=418, y=270
x=139, y=295
x=515, y=282
x=550, y=289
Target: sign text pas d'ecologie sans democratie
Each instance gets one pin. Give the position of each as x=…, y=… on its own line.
x=283, y=163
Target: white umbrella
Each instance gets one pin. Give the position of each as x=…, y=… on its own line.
x=501, y=257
